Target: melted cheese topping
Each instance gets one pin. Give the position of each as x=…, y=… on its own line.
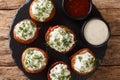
x=42, y=9
x=61, y=40
x=25, y=30
x=84, y=62
x=34, y=60
x=60, y=72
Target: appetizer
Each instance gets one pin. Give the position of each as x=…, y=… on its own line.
x=83, y=61
x=42, y=10
x=60, y=38
x=34, y=60
x=59, y=71
x=25, y=31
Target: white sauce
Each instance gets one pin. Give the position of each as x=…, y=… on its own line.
x=61, y=40
x=84, y=62
x=60, y=72
x=25, y=30
x=96, y=32
x=34, y=60
x=42, y=9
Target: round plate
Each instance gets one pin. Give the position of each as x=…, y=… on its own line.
x=59, y=19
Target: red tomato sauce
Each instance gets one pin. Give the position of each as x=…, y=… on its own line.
x=77, y=8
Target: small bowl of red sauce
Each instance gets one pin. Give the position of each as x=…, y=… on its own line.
x=77, y=9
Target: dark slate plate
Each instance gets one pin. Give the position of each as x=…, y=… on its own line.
x=61, y=19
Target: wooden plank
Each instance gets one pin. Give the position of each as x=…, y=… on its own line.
x=11, y=73
x=107, y=3
x=106, y=73
x=5, y=56
x=112, y=16
x=6, y=17
x=102, y=73
x=10, y=4
x=112, y=56
x=4, y=33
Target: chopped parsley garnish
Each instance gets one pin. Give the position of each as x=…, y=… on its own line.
x=91, y=61
x=20, y=28
x=80, y=58
x=65, y=42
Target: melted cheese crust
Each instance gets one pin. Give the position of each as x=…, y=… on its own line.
x=42, y=9
x=25, y=30
x=60, y=72
x=84, y=62
x=61, y=40
x=34, y=59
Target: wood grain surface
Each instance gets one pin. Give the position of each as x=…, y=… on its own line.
x=110, y=67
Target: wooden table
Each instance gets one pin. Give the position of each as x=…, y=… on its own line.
x=109, y=69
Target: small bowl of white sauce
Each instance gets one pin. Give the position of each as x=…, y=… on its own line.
x=96, y=32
